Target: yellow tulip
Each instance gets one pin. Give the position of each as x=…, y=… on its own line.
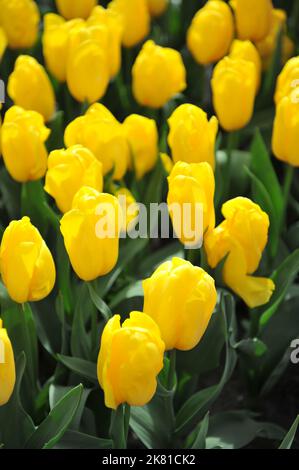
x=241, y=238
x=194, y=185
x=246, y=50
x=113, y=22
x=91, y=233
x=157, y=7
x=7, y=367
x=29, y=87
x=180, y=298
x=135, y=18
x=288, y=79
x=152, y=66
x=267, y=46
x=20, y=21
x=101, y=133
x=192, y=137
x=166, y=162
x=130, y=358
x=56, y=38
x=27, y=266
x=234, y=89
x=3, y=42
x=142, y=135
x=23, y=137
x=75, y=8
x=129, y=208
x=253, y=18
x=285, y=142
x=211, y=32
x=87, y=72
x=68, y=171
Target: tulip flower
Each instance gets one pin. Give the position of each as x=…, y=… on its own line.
x=130, y=358
x=142, y=135
x=253, y=18
x=180, y=298
x=285, y=141
x=166, y=162
x=288, y=79
x=20, y=21
x=71, y=9
x=241, y=238
x=192, y=137
x=104, y=136
x=157, y=7
x=7, y=367
x=234, y=89
x=91, y=233
x=29, y=87
x=152, y=66
x=23, y=139
x=3, y=42
x=211, y=32
x=27, y=266
x=112, y=20
x=246, y=50
x=68, y=171
x=267, y=46
x=87, y=72
x=56, y=38
x=129, y=208
x=135, y=17
x=191, y=201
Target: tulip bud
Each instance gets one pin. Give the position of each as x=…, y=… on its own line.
x=267, y=46
x=75, y=8
x=113, y=22
x=7, y=367
x=157, y=7
x=241, y=238
x=211, y=32
x=23, y=137
x=104, y=136
x=3, y=43
x=27, y=266
x=253, y=18
x=192, y=137
x=130, y=358
x=135, y=17
x=56, y=43
x=91, y=233
x=180, y=298
x=191, y=201
x=234, y=89
x=20, y=21
x=68, y=171
x=88, y=72
x=288, y=79
x=29, y=87
x=142, y=135
x=246, y=50
x=152, y=65
x=285, y=142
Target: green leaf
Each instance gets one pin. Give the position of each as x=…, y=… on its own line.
x=130, y=292
x=197, y=405
x=99, y=303
x=81, y=367
x=57, y=392
x=149, y=264
x=289, y=438
x=200, y=440
x=80, y=340
x=18, y=424
x=78, y=440
x=50, y=431
x=154, y=188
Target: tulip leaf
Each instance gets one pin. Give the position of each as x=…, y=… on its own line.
x=79, y=440
x=99, y=303
x=56, y=393
x=19, y=425
x=81, y=367
x=199, y=403
x=201, y=433
x=289, y=438
x=150, y=263
x=80, y=340
x=50, y=431
x=130, y=292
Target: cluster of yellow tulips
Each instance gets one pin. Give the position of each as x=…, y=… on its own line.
x=83, y=46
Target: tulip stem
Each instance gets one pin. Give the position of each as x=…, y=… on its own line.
x=287, y=185
x=119, y=426
x=172, y=369
x=232, y=144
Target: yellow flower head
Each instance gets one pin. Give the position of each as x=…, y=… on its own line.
x=71, y=9
x=135, y=17
x=253, y=18
x=20, y=21
x=288, y=79
x=7, y=367
x=246, y=50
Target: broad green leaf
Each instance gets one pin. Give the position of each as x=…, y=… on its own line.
x=81, y=367
x=99, y=303
x=200, y=440
x=130, y=292
x=80, y=340
x=50, y=431
x=78, y=440
x=57, y=392
x=289, y=438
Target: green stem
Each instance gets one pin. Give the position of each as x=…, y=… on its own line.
x=122, y=92
x=171, y=372
x=119, y=426
x=287, y=185
x=232, y=144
